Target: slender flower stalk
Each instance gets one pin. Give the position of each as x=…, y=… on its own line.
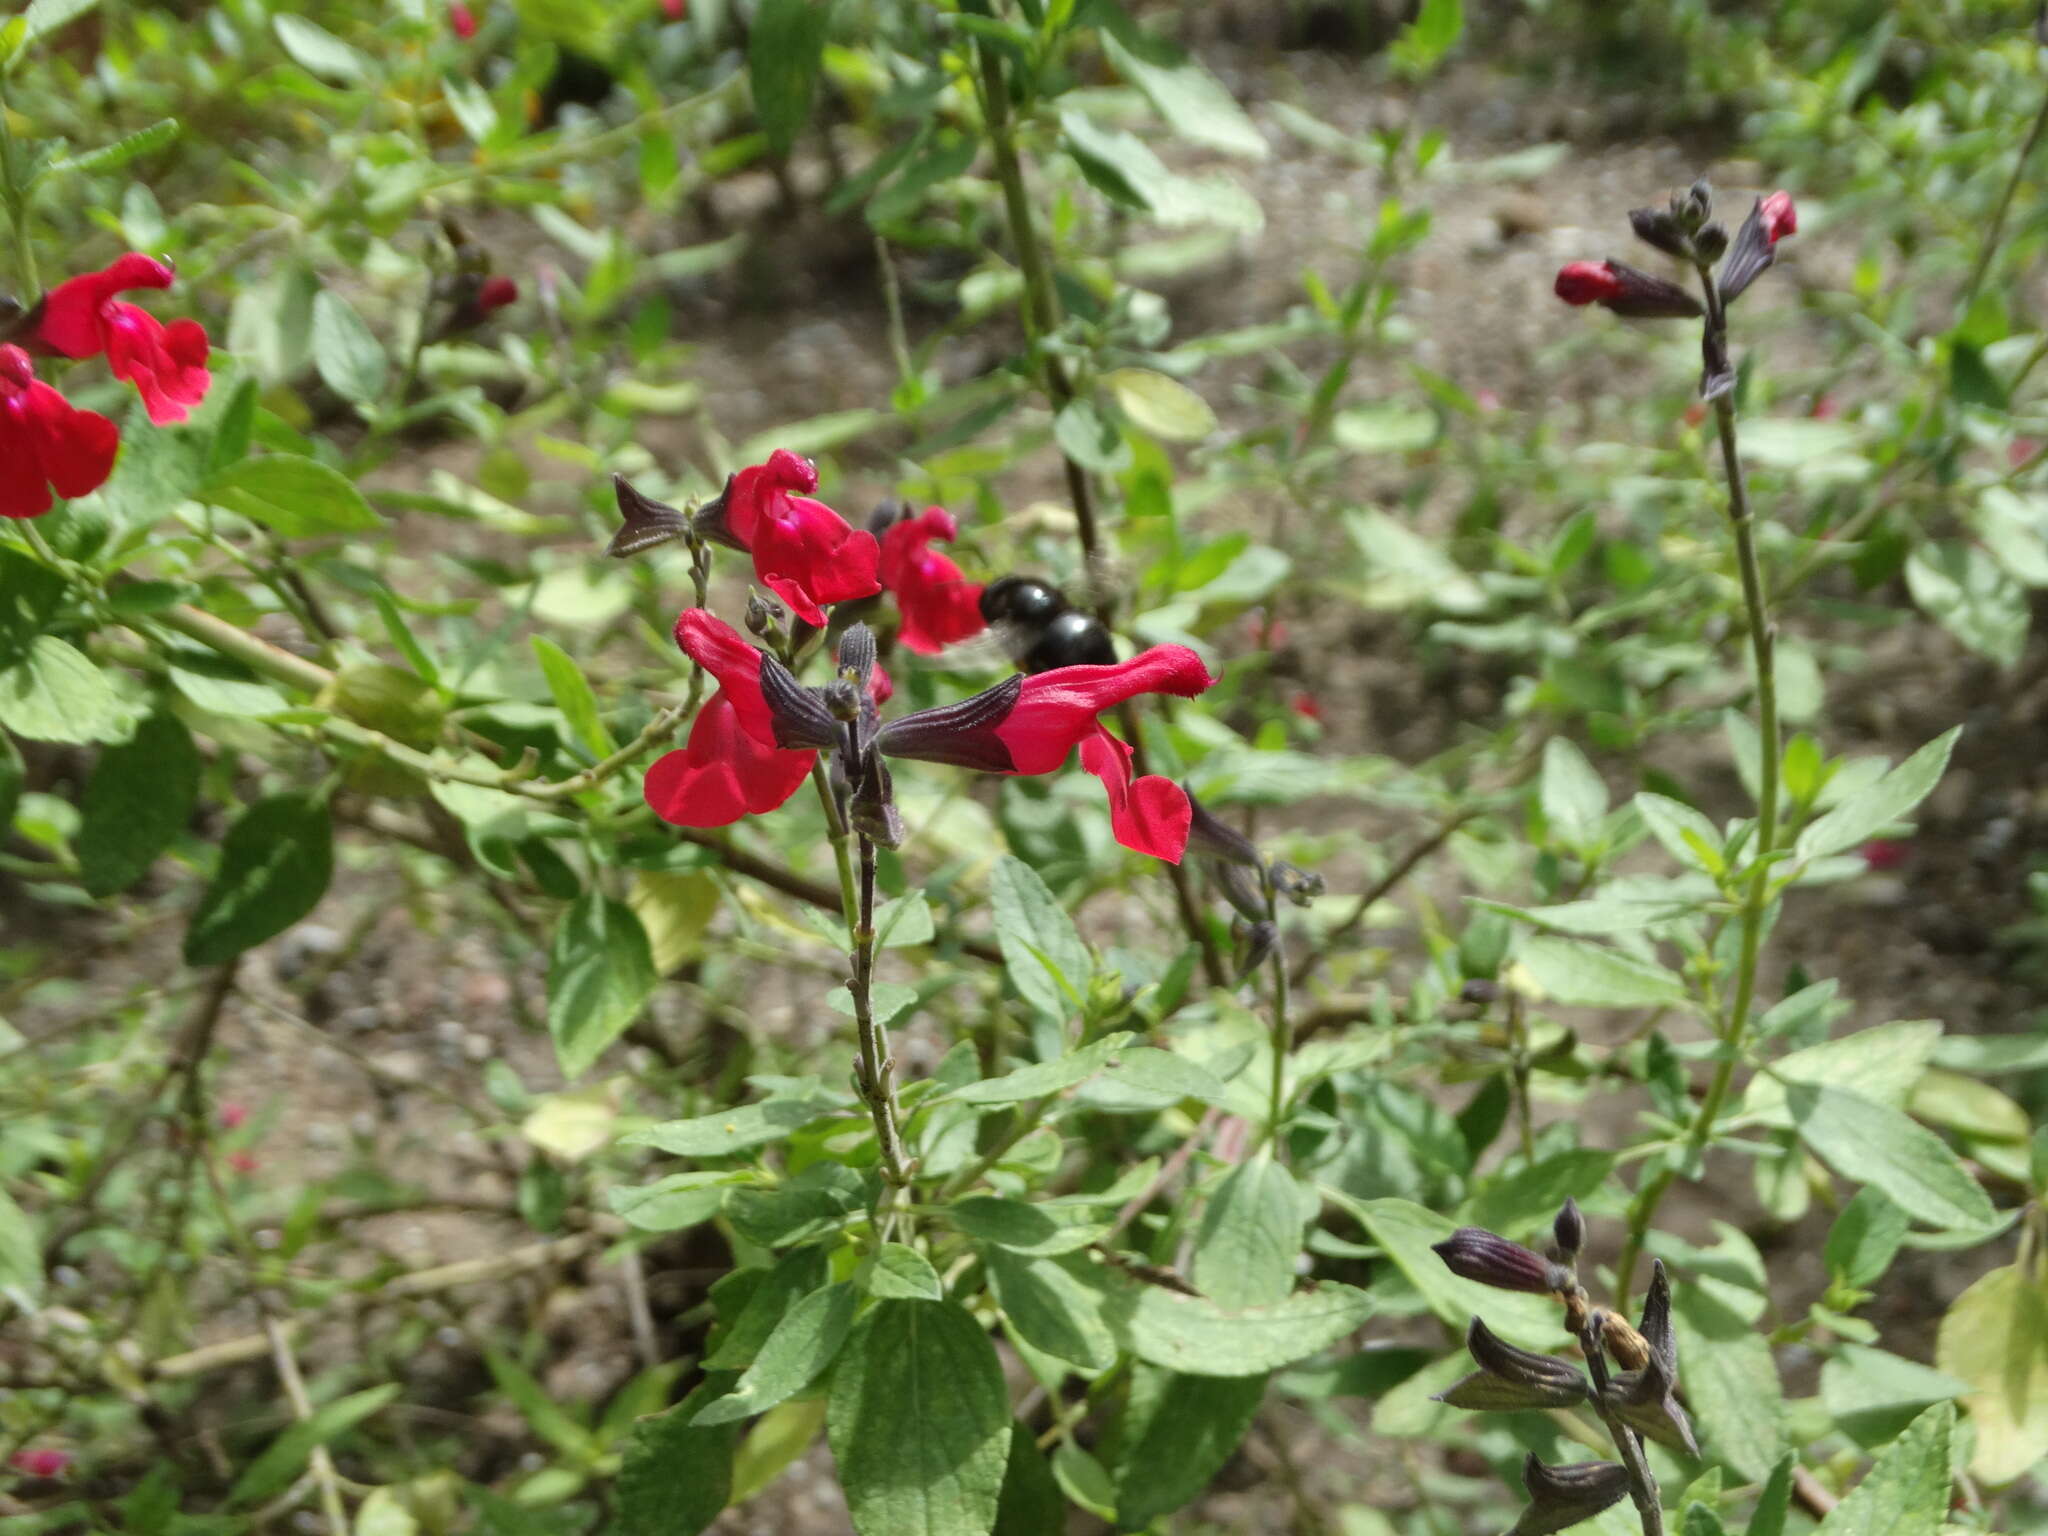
x=1756, y=900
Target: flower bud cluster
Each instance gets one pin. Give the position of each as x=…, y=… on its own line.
x=1639, y=1399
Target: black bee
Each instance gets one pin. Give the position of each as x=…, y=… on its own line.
x=1040, y=629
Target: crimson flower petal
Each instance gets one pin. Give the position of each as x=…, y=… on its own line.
x=723, y=652
x=1148, y=815
x=1780, y=218
x=938, y=604
x=723, y=772
x=1586, y=282
x=166, y=363
x=46, y=443
x=803, y=551
x=1056, y=710
x=74, y=321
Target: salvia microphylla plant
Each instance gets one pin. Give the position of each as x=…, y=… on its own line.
x=1636, y=1401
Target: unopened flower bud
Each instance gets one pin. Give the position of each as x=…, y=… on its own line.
x=1658, y=227
x=1694, y=206
x=857, y=655
x=1711, y=242
x=1569, y=1231
x=1473, y=1253
x=1756, y=243
x=764, y=617
x=1261, y=938
x=1626, y=290
x=1297, y=885
x=1561, y=1497
x=842, y=698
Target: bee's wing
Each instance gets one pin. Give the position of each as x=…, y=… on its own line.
x=995, y=649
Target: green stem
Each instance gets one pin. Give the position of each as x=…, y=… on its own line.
x=1283, y=1030
x=835, y=832
x=15, y=196
x=1041, y=309
x=1996, y=232
x=1756, y=898
x=874, y=1074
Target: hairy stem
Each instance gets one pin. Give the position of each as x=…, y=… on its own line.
x=874, y=1075
x=1756, y=897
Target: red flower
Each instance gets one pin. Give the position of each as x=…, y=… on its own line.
x=1626, y=290
x=803, y=551
x=166, y=363
x=44, y=1462
x=675, y=10
x=1881, y=855
x=1306, y=706
x=1780, y=218
x=939, y=605
x=1030, y=725
x=242, y=1162
x=2020, y=450
x=755, y=742
x=1587, y=282
x=462, y=19
x=735, y=763
x=1825, y=408
x=233, y=1115
x=496, y=293
x=46, y=444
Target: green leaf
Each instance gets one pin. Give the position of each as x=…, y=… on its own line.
x=905, y=923
x=600, y=975
x=734, y=1130
x=1194, y=102
x=319, y=51
x=1031, y=1503
x=1865, y=1237
x=1162, y=406
x=804, y=1343
x=1124, y=169
x=1686, y=835
x=543, y=1415
x=1869, y=1143
x=21, y=1256
x=1995, y=1337
x=1775, y=1501
x=1194, y=1335
x=13, y=778
x=1592, y=976
x=919, y=1422
x=1251, y=1236
x=1573, y=797
x=1043, y=954
x=53, y=693
x=573, y=696
x=1404, y=570
x=898, y=1270
x=1041, y=1078
x=31, y=595
x=347, y=353
x=140, y=798
x=112, y=156
x=275, y=863
x=1880, y=1064
x=284, y=1458
x=783, y=54
x=1142, y=1078
x=1432, y=34
x=1090, y=438
x=1386, y=426
x=46, y=16
x=1907, y=1492
x=1179, y=1431
x=294, y=496
x=671, y=1204
x=1864, y=814
x=1055, y=1304
x=1517, y=1200
x=1872, y=1395
x=1970, y=595
x=1023, y=1227
x=1731, y=1382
